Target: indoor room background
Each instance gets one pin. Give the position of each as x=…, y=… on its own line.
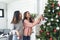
x=9, y=6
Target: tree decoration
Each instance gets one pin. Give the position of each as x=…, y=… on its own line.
x=48, y=10
x=51, y=38
x=53, y=11
x=38, y=39
x=49, y=24
x=56, y=16
x=57, y=20
x=59, y=14
x=51, y=28
x=57, y=8
x=52, y=19
x=57, y=28
x=41, y=31
x=59, y=5
x=46, y=18
x=53, y=5
x=48, y=33
x=44, y=26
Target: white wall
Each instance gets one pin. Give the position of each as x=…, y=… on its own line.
x=3, y=20
x=22, y=6
x=25, y=5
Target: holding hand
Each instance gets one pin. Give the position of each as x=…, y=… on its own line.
x=41, y=17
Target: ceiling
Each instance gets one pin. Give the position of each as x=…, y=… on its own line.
x=7, y=1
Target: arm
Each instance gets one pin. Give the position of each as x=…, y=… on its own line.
x=28, y=24
x=17, y=32
x=41, y=17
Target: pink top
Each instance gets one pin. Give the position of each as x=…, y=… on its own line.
x=28, y=27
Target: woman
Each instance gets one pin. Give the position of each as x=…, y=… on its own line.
x=28, y=24
x=18, y=26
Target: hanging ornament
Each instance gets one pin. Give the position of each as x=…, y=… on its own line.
x=41, y=31
x=38, y=39
x=44, y=26
x=59, y=14
x=53, y=5
x=48, y=10
x=57, y=8
x=58, y=4
x=46, y=18
x=48, y=33
x=50, y=38
x=52, y=19
x=43, y=22
x=53, y=11
x=56, y=16
x=57, y=28
x=57, y=20
x=49, y=24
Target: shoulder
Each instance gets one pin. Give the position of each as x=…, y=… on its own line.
x=25, y=20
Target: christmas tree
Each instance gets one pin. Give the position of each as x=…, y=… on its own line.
x=50, y=30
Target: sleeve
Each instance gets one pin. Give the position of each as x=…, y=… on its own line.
x=28, y=24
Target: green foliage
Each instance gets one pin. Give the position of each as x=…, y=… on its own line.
x=33, y=15
x=51, y=27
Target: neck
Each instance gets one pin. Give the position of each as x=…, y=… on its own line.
x=27, y=18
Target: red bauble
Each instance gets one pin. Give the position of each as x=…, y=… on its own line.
x=55, y=30
x=58, y=4
x=52, y=4
x=41, y=31
x=51, y=38
x=48, y=33
x=59, y=14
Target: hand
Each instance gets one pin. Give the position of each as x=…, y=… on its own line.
x=39, y=20
x=41, y=17
x=19, y=37
x=33, y=20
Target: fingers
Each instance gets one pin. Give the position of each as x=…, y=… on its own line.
x=41, y=17
x=17, y=32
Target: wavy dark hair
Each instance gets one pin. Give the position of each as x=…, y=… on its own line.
x=16, y=17
x=30, y=19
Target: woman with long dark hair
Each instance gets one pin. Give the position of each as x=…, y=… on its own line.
x=28, y=24
x=18, y=26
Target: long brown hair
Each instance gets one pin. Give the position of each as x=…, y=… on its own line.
x=30, y=19
x=16, y=17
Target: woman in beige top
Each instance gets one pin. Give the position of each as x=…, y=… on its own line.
x=18, y=26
